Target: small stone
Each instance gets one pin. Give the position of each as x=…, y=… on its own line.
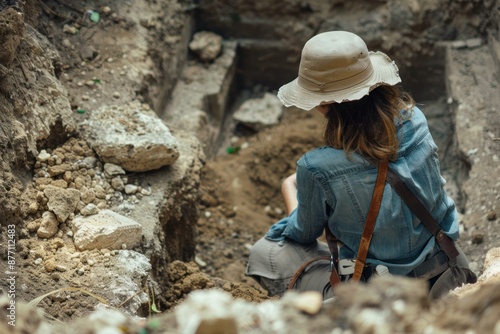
x=69, y=233
x=116, y=95
x=50, y=265
x=88, y=196
x=477, y=238
x=85, y=97
x=43, y=156
x=130, y=189
x=48, y=226
x=89, y=209
x=111, y=170
x=70, y=29
x=33, y=208
x=80, y=271
x=90, y=262
x=200, y=262
x=38, y=261
x=124, y=246
x=309, y=302
x=61, y=268
x=492, y=215
x=117, y=183
x=146, y=192
x=106, y=10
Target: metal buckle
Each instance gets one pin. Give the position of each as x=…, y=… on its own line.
x=332, y=263
x=346, y=266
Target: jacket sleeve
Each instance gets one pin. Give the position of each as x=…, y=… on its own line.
x=306, y=223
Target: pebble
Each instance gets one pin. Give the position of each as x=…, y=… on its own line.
x=130, y=189
x=90, y=262
x=124, y=246
x=146, y=192
x=309, y=302
x=38, y=261
x=80, y=271
x=61, y=268
x=116, y=95
x=492, y=215
x=200, y=262
x=69, y=233
x=43, y=156
x=33, y=208
x=89, y=209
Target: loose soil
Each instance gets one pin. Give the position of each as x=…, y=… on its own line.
x=240, y=192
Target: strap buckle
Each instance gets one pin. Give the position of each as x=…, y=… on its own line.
x=332, y=262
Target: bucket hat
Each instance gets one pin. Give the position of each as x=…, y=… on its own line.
x=336, y=66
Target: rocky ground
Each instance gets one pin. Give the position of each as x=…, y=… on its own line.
x=121, y=67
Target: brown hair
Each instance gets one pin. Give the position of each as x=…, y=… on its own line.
x=367, y=126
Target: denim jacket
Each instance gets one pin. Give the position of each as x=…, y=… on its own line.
x=337, y=190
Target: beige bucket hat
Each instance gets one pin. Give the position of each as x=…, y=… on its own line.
x=336, y=66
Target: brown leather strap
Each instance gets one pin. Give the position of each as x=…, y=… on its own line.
x=445, y=242
x=416, y=206
x=334, y=277
x=370, y=220
x=331, y=240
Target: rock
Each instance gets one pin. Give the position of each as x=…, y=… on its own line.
x=88, y=196
x=33, y=208
x=89, y=209
x=130, y=189
x=43, y=156
x=492, y=215
x=131, y=137
x=58, y=169
x=111, y=170
x=117, y=183
x=259, y=113
x=207, y=312
x=207, y=45
x=106, y=229
x=88, y=163
x=309, y=302
x=49, y=225
x=62, y=202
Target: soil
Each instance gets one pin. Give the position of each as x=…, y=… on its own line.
x=240, y=192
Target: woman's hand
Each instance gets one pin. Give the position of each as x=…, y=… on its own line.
x=289, y=192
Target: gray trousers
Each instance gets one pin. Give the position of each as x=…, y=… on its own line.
x=273, y=264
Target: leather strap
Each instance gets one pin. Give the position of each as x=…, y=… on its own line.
x=334, y=276
x=445, y=242
x=370, y=220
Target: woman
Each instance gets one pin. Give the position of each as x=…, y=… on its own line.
x=368, y=118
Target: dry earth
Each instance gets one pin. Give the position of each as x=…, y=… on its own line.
x=240, y=195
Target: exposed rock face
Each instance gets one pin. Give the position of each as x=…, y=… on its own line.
x=259, y=113
x=33, y=107
x=132, y=137
x=106, y=229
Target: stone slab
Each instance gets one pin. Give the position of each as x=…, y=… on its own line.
x=107, y=229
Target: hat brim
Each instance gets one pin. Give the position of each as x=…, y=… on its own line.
x=385, y=72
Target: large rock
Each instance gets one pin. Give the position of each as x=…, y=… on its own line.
x=259, y=113
x=107, y=229
x=62, y=202
x=132, y=137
